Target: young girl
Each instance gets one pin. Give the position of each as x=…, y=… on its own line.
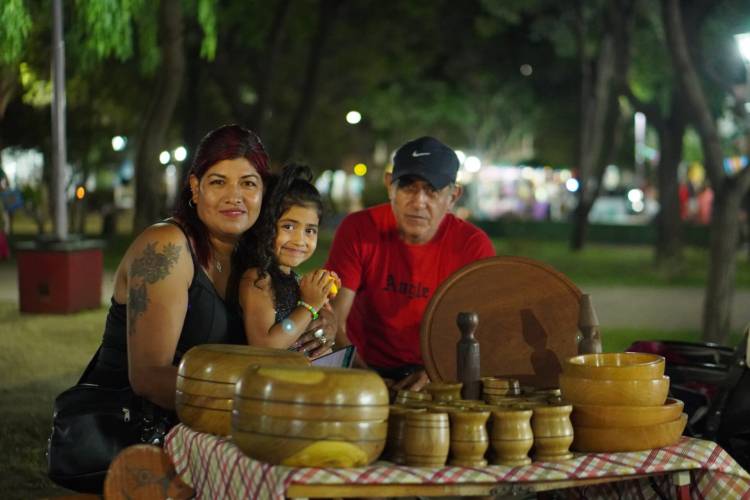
x=277, y=304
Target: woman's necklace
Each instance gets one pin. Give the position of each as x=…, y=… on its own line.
x=218, y=266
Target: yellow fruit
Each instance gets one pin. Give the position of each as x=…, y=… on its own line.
x=334, y=289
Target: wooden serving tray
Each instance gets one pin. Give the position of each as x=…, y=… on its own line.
x=528, y=320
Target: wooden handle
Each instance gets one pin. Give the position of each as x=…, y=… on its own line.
x=467, y=322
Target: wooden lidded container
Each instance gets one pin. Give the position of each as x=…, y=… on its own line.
x=310, y=416
x=207, y=376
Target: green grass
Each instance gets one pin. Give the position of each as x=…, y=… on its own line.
x=596, y=264
x=40, y=355
x=599, y=264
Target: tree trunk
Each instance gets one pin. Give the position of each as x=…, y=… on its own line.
x=725, y=231
x=669, y=225
x=149, y=174
x=8, y=86
x=273, y=48
x=728, y=190
x=326, y=19
x=600, y=108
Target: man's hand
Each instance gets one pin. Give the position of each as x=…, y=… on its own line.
x=413, y=382
x=320, y=336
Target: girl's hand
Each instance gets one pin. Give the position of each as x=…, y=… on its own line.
x=315, y=287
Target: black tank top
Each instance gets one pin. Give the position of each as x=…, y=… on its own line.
x=209, y=320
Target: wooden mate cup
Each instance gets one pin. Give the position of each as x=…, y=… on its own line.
x=511, y=436
x=394, y=443
x=553, y=432
x=468, y=436
x=427, y=439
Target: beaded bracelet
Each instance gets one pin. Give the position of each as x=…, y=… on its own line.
x=310, y=308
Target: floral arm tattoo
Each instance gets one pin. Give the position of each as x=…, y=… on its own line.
x=149, y=268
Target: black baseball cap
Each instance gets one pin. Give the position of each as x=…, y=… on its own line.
x=427, y=158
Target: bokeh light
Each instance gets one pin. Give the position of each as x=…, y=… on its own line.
x=180, y=153
x=119, y=143
x=353, y=117
x=360, y=169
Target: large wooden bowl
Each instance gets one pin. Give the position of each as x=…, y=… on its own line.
x=615, y=366
x=226, y=363
x=204, y=413
x=638, y=392
x=313, y=386
x=625, y=416
x=206, y=378
x=255, y=407
x=308, y=443
x=614, y=439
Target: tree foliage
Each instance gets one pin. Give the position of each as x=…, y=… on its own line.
x=15, y=27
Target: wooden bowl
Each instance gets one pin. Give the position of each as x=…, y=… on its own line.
x=251, y=407
x=613, y=439
x=204, y=413
x=206, y=381
x=213, y=369
x=443, y=391
x=626, y=416
x=314, y=386
x=309, y=443
x=638, y=392
x=226, y=362
x=615, y=366
x=405, y=396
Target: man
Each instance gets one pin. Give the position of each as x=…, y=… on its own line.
x=392, y=257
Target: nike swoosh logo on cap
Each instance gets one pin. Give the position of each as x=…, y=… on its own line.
x=416, y=154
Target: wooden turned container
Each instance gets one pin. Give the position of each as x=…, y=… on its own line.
x=204, y=413
x=206, y=381
x=406, y=397
x=443, y=392
x=310, y=416
x=468, y=438
x=553, y=432
x=310, y=443
x=394, y=443
x=311, y=393
x=336, y=444
x=427, y=440
x=511, y=436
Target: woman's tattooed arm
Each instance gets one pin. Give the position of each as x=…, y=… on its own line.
x=147, y=269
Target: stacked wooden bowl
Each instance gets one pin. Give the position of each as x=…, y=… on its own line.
x=620, y=402
x=310, y=417
x=207, y=376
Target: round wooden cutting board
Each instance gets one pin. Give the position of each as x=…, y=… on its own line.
x=528, y=320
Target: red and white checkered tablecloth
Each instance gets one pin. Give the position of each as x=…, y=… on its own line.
x=216, y=468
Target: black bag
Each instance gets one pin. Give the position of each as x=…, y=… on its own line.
x=91, y=424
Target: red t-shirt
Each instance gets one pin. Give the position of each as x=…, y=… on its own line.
x=394, y=281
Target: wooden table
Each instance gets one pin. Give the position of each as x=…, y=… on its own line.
x=215, y=468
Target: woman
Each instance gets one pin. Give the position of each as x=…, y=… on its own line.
x=169, y=295
x=170, y=286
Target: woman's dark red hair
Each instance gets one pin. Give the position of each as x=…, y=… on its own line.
x=224, y=143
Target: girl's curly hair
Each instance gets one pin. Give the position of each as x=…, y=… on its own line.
x=293, y=187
